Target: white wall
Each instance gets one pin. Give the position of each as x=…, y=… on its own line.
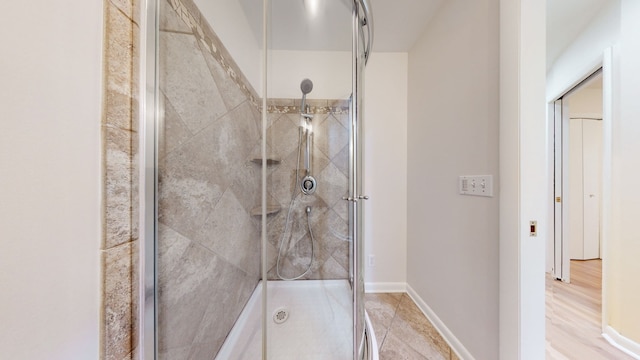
x=584, y=54
x=50, y=179
x=453, y=122
x=618, y=27
x=330, y=72
x=385, y=171
x=623, y=249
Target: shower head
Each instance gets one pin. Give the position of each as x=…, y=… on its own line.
x=306, y=86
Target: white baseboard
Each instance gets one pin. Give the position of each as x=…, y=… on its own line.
x=626, y=345
x=448, y=336
x=379, y=287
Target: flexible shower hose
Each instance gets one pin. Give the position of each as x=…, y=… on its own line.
x=294, y=196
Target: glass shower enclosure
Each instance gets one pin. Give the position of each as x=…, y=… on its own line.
x=252, y=194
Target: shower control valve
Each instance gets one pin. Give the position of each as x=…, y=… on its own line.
x=363, y=197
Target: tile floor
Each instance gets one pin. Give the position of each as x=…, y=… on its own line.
x=402, y=330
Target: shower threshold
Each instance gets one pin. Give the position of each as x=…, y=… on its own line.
x=307, y=319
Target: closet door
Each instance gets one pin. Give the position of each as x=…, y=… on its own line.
x=585, y=178
x=592, y=184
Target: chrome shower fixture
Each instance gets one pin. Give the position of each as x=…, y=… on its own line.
x=305, y=86
x=308, y=183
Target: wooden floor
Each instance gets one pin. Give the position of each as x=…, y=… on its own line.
x=573, y=317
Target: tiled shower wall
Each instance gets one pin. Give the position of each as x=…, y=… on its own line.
x=328, y=218
x=209, y=231
x=209, y=243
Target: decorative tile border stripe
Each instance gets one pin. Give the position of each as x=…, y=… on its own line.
x=291, y=106
x=191, y=16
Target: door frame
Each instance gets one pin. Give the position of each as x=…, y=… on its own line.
x=606, y=64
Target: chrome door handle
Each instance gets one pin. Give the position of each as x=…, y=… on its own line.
x=355, y=199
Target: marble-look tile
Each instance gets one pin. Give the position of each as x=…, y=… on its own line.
x=333, y=185
x=117, y=288
x=117, y=187
x=283, y=135
x=126, y=6
x=169, y=19
x=171, y=248
x=330, y=136
x=135, y=298
x=233, y=289
x=118, y=109
x=331, y=269
x=247, y=185
x=282, y=183
x=341, y=160
x=190, y=7
x=341, y=255
x=231, y=93
x=396, y=349
x=382, y=309
x=295, y=159
x=135, y=78
x=229, y=233
x=342, y=209
x=331, y=232
x=343, y=118
x=184, y=295
x=118, y=64
x=412, y=326
x=198, y=172
x=174, y=133
x=180, y=353
x=187, y=82
x=187, y=197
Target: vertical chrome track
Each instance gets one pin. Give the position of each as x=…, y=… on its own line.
x=147, y=343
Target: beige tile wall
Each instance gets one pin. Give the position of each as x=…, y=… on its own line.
x=120, y=198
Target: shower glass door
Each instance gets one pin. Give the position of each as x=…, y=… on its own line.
x=207, y=133
x=253, y=215
x=309, y=297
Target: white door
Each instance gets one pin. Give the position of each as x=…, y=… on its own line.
x=585, y=174
x=561, y=141
x=592, y=184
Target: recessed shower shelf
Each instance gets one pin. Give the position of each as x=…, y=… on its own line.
x=270, y=161
x=271, y=209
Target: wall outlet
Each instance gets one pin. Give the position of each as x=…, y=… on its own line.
x=476, y=185
x=371, y=261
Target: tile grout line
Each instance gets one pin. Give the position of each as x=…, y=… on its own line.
x=386, y=332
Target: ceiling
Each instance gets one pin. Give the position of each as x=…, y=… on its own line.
x=397, y=23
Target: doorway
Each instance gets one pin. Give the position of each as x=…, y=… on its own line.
x=581, y=174
x=578, y=174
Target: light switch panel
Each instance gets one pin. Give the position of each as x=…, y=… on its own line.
x=476, y=185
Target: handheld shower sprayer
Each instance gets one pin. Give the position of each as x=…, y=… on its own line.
x=305, y=86
x=308, y=183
